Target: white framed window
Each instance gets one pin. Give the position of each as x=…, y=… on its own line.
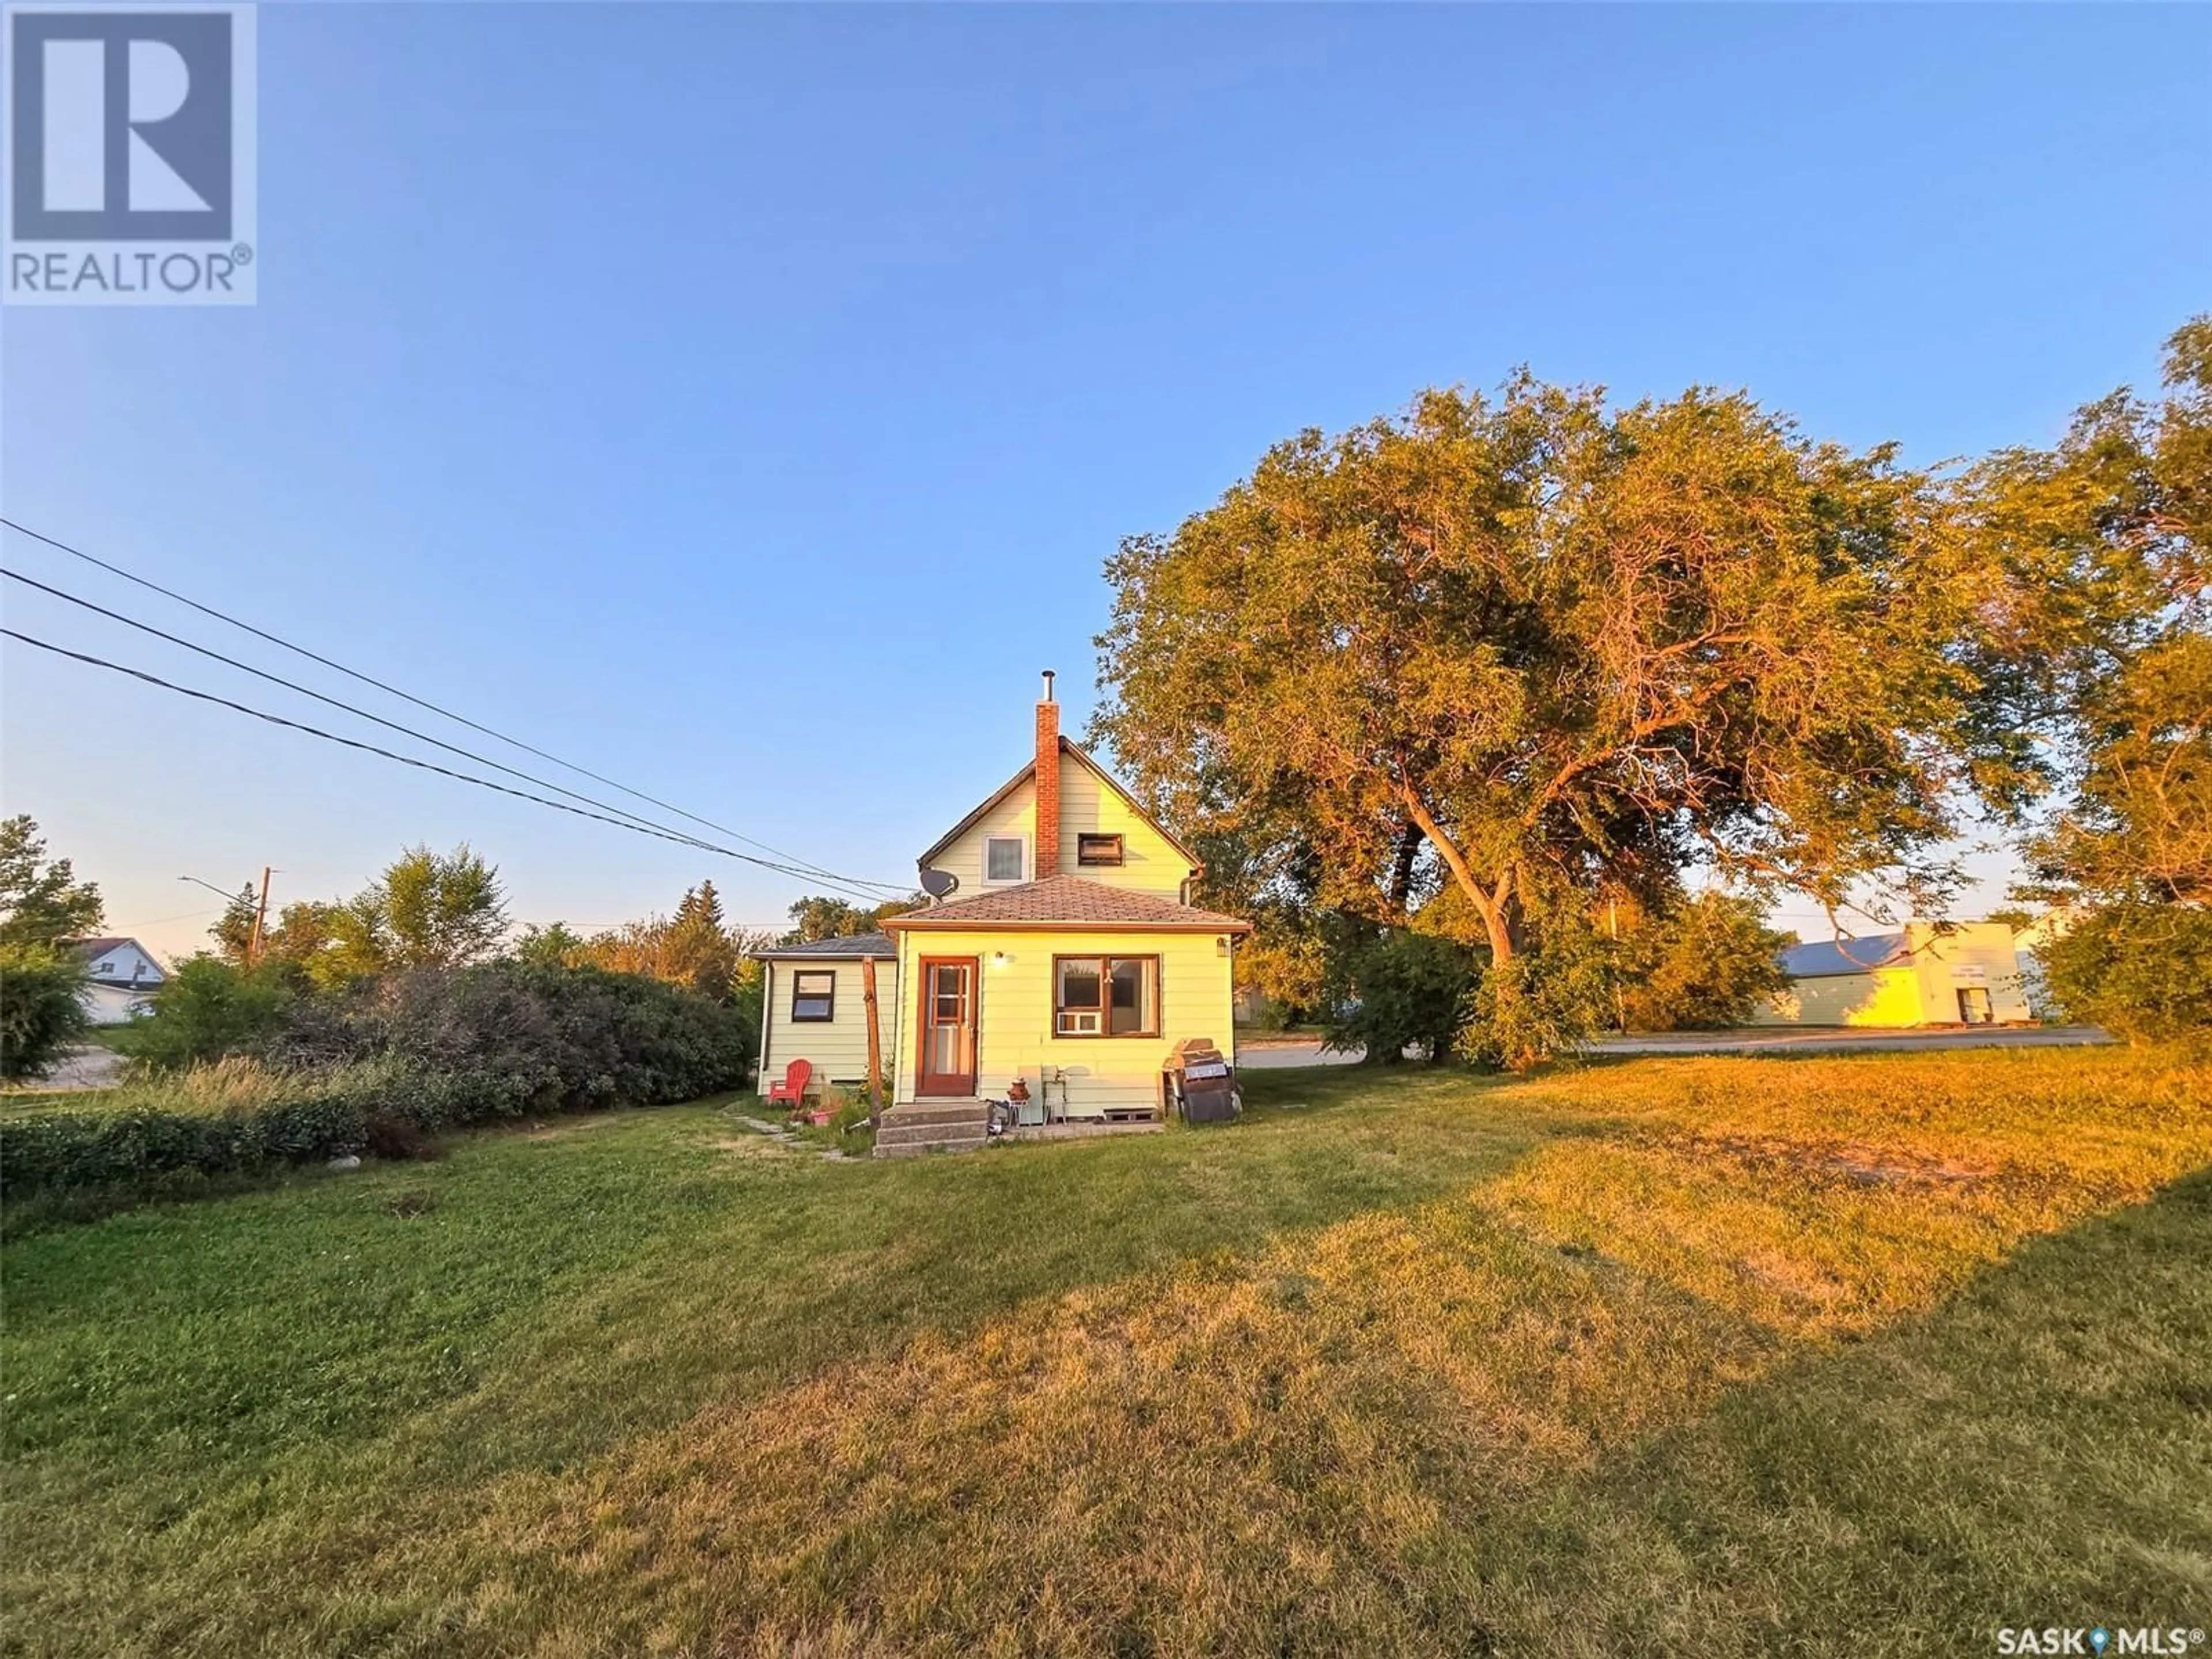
x=1006, y=858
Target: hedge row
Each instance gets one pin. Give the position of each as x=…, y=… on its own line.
x=68, y=1150
x=379, y=1069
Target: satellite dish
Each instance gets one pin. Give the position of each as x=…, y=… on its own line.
x=938, y=884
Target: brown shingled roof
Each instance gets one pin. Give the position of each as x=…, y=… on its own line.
x=1069, y=902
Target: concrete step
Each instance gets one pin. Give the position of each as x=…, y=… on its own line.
x=955, y=1111
x=942, y=1143
x=893, y=1132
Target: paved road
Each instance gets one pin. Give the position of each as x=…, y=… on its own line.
x=1263, y=1053
x=1793, y=1040
x=89, y=1068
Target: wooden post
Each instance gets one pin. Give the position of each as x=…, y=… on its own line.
x=260, y=922
x=875, y=1040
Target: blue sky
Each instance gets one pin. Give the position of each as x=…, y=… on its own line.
x=742, y=401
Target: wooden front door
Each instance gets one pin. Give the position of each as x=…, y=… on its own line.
x=947, y=1065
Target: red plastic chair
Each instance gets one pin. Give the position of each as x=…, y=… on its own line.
x=791, y=1091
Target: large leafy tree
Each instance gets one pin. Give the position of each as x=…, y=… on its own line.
x=427, y=909
x=1705, y=966
x=437, y=910
x=2107, y=539
x=41, y=900
x=1557, y=649
x=820, y=916
x=696, y=948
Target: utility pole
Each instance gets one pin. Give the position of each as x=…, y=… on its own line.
x=260, y=922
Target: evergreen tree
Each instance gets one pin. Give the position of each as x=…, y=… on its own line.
x=698, y=951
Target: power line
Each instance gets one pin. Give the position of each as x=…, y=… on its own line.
x=405, y=760
x=852, y=883
x=420, y=702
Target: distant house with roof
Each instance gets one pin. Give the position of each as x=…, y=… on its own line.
x=1930, y=973
x=122, y=976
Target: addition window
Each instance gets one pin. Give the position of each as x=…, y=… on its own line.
x=1106, y=996
x=1006, y=858
x=1099, y=849
x=814, y=994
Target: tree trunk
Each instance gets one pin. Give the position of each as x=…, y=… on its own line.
x=1401, y=867
x=1490, y=905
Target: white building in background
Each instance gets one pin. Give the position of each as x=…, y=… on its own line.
x=2032, y=941
x=124, y=975
x=1932, y=973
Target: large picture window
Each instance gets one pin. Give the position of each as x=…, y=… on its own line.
x=814, y=994
x=1106, y=996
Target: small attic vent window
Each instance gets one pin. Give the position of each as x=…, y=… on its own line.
x=1098, y=850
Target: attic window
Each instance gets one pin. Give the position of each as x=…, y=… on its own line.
x=1098, y=850
x=1004, y=858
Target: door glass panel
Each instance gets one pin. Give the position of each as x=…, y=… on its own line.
x=943, y=1050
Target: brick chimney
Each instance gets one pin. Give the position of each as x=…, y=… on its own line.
x=1048, y=783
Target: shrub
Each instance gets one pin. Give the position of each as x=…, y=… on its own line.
x=853, y=1112
x=379, y=1069
x=2143, y=971
x=1402, y=989
x=1703, y=968
x=69, y=1151
x=1542, y=1001
x=509, y=1038
x=42, y=1009
x=208, y=1009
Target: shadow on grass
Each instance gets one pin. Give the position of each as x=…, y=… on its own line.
x=2036, y=1451
x=1345, y=1377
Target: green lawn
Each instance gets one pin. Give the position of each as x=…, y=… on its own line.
x=1695, y=1356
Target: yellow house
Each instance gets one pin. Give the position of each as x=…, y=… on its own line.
x=1060, y=958
x=1930, y=974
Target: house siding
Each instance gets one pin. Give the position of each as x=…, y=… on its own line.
x=1986, y=946
x=963, y=860
x=837, y=1047
x=1885, y=996
x=1149, y=862
x=1015, y=1036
